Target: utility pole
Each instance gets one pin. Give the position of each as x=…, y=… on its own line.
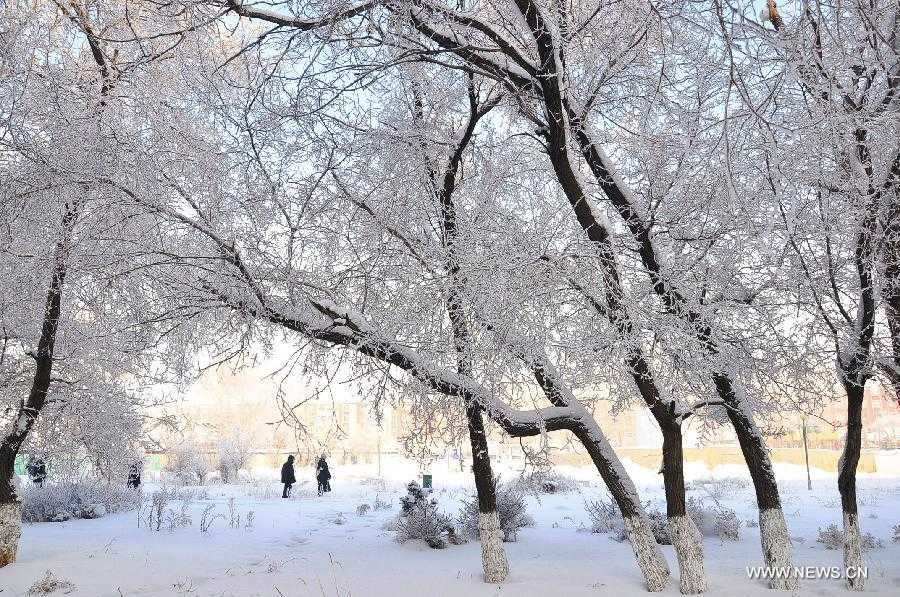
x=806, y=454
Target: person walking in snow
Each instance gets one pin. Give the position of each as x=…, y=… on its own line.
x=134, y=475
x=37, y=471
x=323, y=475
x=287, y=476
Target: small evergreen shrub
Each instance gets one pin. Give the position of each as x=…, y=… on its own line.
x=420, y=519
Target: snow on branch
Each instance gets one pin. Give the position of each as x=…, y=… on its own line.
x=349, y=328
x=325, y=320
x=295, y=22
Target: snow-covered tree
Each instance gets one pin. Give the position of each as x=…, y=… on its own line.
x=188, y=463
x=234, y=451
x=545, y=58
x=76, y=341
x=833, y=168
x=498, y=209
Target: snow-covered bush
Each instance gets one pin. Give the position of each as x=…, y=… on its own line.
x=423, y=522
x=87, y=499
x=234, y=517
x=868, y=499
x=234, y=454
x=155, y=513
x=659, y=524
x=896, y=537
x=374, y=482
x=547, y=482
x=454, y=537
x=605, y=516
x=415, y=495
x=208, y=517
x=711, y=520
x=188, y=464
x=833, y=538
x=420, y=519
x=151, y=510
x=727, y=525
x=49, y=583
x=714, y=520
x=511, y=509
x=380, y=504
x=176, y=519
x=362, y=509
x=718, y=489
x=258, y=490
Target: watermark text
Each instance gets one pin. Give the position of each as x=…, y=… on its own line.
x=806, y=572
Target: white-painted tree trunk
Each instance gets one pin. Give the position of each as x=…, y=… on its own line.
x=853, y=560
x=10, y=531
x=493, y=554
x=649, y=556
x=688, y=543
x=776, y=548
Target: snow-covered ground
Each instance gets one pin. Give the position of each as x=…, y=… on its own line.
x=295, y=547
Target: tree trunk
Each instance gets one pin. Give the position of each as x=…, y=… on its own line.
x=774, y=536
x=853, y=560
x=17, y=431
x=10, y=531
x=686, y=539
x=493, y=554
x=649, y=557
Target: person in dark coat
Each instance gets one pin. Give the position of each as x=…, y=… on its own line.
x=323, y=476
x=287, y=476
x=37, y=471
x=134, y=475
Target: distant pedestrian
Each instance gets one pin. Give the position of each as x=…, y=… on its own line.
x=323, y=476
x=37, y=471
x=134, y=475
x=287, y=476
